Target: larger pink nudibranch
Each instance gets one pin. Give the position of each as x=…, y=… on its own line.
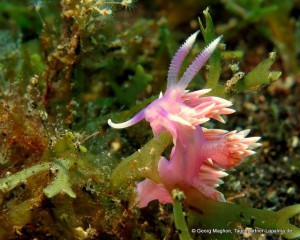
x=199, y=163
x=199, y=155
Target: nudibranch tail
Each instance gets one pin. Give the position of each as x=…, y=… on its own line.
x=197, y=64
x=137, y=118
x=178, y=59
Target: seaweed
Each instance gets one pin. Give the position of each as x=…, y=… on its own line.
x=67, y=67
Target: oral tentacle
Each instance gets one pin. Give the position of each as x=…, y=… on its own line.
x=137, y=118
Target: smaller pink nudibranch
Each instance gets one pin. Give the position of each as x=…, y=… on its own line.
x=199, y=156
x=177, y=106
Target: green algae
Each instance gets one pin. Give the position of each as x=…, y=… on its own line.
x=65, y=70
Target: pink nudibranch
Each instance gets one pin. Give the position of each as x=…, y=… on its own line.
x=199, y=155
x=178, y=106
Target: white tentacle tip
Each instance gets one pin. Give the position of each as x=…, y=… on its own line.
x=117, y=125
x=110, y=123
x=190, y=41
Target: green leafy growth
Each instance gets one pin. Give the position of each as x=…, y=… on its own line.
x=9, y=44
x=282, y=32
x=219, y=215
x=215, y=60
x=273, y=20
x=141, y=164
x=137, y=83
x=168, y=42
x=10, y=182
x=35, y=65
x=10, y=55
x=260, y=75
x=68, y=142
x=61, y=183
x=249, y=10
x=18, y=61
x=179, y=216
x=17, y=11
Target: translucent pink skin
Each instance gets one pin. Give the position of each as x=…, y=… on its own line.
x=199, y=155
